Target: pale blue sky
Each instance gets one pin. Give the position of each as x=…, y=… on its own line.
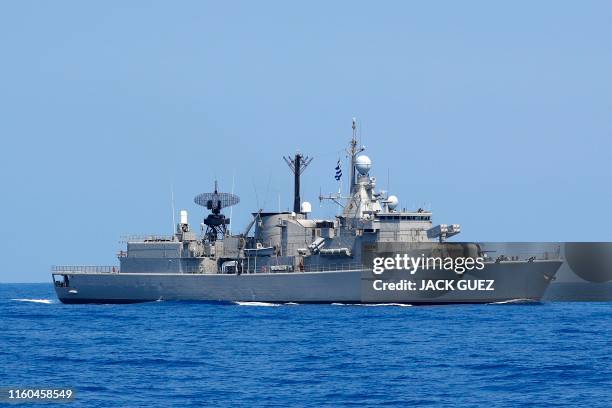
x=496, y=116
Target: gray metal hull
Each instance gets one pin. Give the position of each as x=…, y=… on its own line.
x=513, y=280
x=586, y=273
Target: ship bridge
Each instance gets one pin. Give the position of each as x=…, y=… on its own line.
x=403, y=216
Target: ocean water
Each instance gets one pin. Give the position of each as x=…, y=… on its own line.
x=181, y=354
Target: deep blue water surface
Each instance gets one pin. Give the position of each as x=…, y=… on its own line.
x=195, y=354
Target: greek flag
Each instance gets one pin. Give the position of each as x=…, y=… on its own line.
x=338, y=175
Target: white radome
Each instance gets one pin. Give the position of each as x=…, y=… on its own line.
x=306, y=207
x=363, y=164
x=392, y=202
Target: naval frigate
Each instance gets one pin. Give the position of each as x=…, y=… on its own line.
x=292, y=257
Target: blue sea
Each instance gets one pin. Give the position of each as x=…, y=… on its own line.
x=182, y=354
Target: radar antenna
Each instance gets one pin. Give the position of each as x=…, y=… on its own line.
x=216, y=223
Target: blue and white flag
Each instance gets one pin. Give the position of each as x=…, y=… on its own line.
x=338, y=175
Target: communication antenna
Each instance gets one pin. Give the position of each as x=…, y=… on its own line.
x=361, y=132
x=352, y=152
x=255, y=190
x=388, y=180
x=267, y=190
x=297, y=164
x=232, y=208
x=172, y=204
x=339, y=194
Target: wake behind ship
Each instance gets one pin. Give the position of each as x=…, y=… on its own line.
x=291, y=257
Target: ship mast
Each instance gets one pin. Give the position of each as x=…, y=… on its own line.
x=352, y=152
x=297, y=164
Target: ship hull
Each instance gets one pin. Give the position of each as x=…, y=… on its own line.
x=513, y=281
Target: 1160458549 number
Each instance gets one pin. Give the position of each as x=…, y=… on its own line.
x=32, y=394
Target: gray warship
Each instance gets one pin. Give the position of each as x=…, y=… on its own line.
x=293, y=258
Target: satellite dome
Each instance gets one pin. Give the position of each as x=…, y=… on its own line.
x=392, y=202
x=363, y=164
x=306, y=207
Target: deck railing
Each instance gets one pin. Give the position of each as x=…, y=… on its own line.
x=251, y=268
x=146, y=238
x=192, y=269
x=84, y=269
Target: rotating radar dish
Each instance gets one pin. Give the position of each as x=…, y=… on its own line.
x=216, y=223
x=215, y=201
